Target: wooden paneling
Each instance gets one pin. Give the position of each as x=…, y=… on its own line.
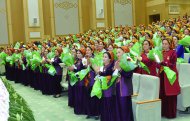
x=47, y=17
x=17, y=18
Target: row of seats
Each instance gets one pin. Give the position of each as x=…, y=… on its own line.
x=146, y=100
x=183, y=99
x=2, y=68
x=186, y=57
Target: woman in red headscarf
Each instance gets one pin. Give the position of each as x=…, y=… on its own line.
x=56, y=86
x=124, y=89
x=168, y=92
x=80, y=96
x=147, y=46
x=93, y=103
x=108, y=99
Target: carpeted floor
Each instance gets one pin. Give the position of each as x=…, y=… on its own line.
x=47, y=108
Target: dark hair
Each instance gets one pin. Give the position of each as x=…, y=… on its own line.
x=108, y=54
x=151, y=46
x=74, y=49
x=176, y=37
x=147, y=41
x=90, y=48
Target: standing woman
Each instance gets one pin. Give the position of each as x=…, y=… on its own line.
x=71, y=89
x=147, y=46
x=93, y=108
x=168, y=92
x=57, y=89
x=124, y=90
x=79, y=102
x=108, y=100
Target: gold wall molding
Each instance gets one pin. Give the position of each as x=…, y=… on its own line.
x=66, y=5
x=123, y=2
x=155, y=2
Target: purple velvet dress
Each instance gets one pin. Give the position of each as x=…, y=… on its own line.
x=108, y=110
x=80, y=99
x=93, y=104
x=124, y=90
x=71, y=93
x=58, y=76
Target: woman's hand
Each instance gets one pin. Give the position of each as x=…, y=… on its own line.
x=48, y=60
x=96, y=69
x=139, y=58
x=71, y=68
x=163, y=63
x=117, y=66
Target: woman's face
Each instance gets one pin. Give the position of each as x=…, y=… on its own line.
x=74, y=52
x=56, y=53
x=110, y=48
x=43, y=49
x=175, y=40
x=159, y=34
x=186, y=32
x=173, y=33
x=146, y=46
x=146, y=36
x=88, y=52
x=130, y=45
x=119, y=53
x=101, y=46
x=106, y=59
x=45, y=52
x=165, y=45
x=79, y=55
x=96, y=45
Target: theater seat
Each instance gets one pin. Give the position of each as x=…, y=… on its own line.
x=147, y=105
x=64, y=82
x=183, y=99
x=136, y=83
x=2, y=68
x=186, y=57
x=178, y=66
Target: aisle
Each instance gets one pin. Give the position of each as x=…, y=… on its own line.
x=47, y=108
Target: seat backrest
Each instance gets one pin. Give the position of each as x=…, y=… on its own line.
x=178, y=66
x=136, y=83
x=149, y=88
x=186, y=57
x=184, y=74
x=2, y=68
